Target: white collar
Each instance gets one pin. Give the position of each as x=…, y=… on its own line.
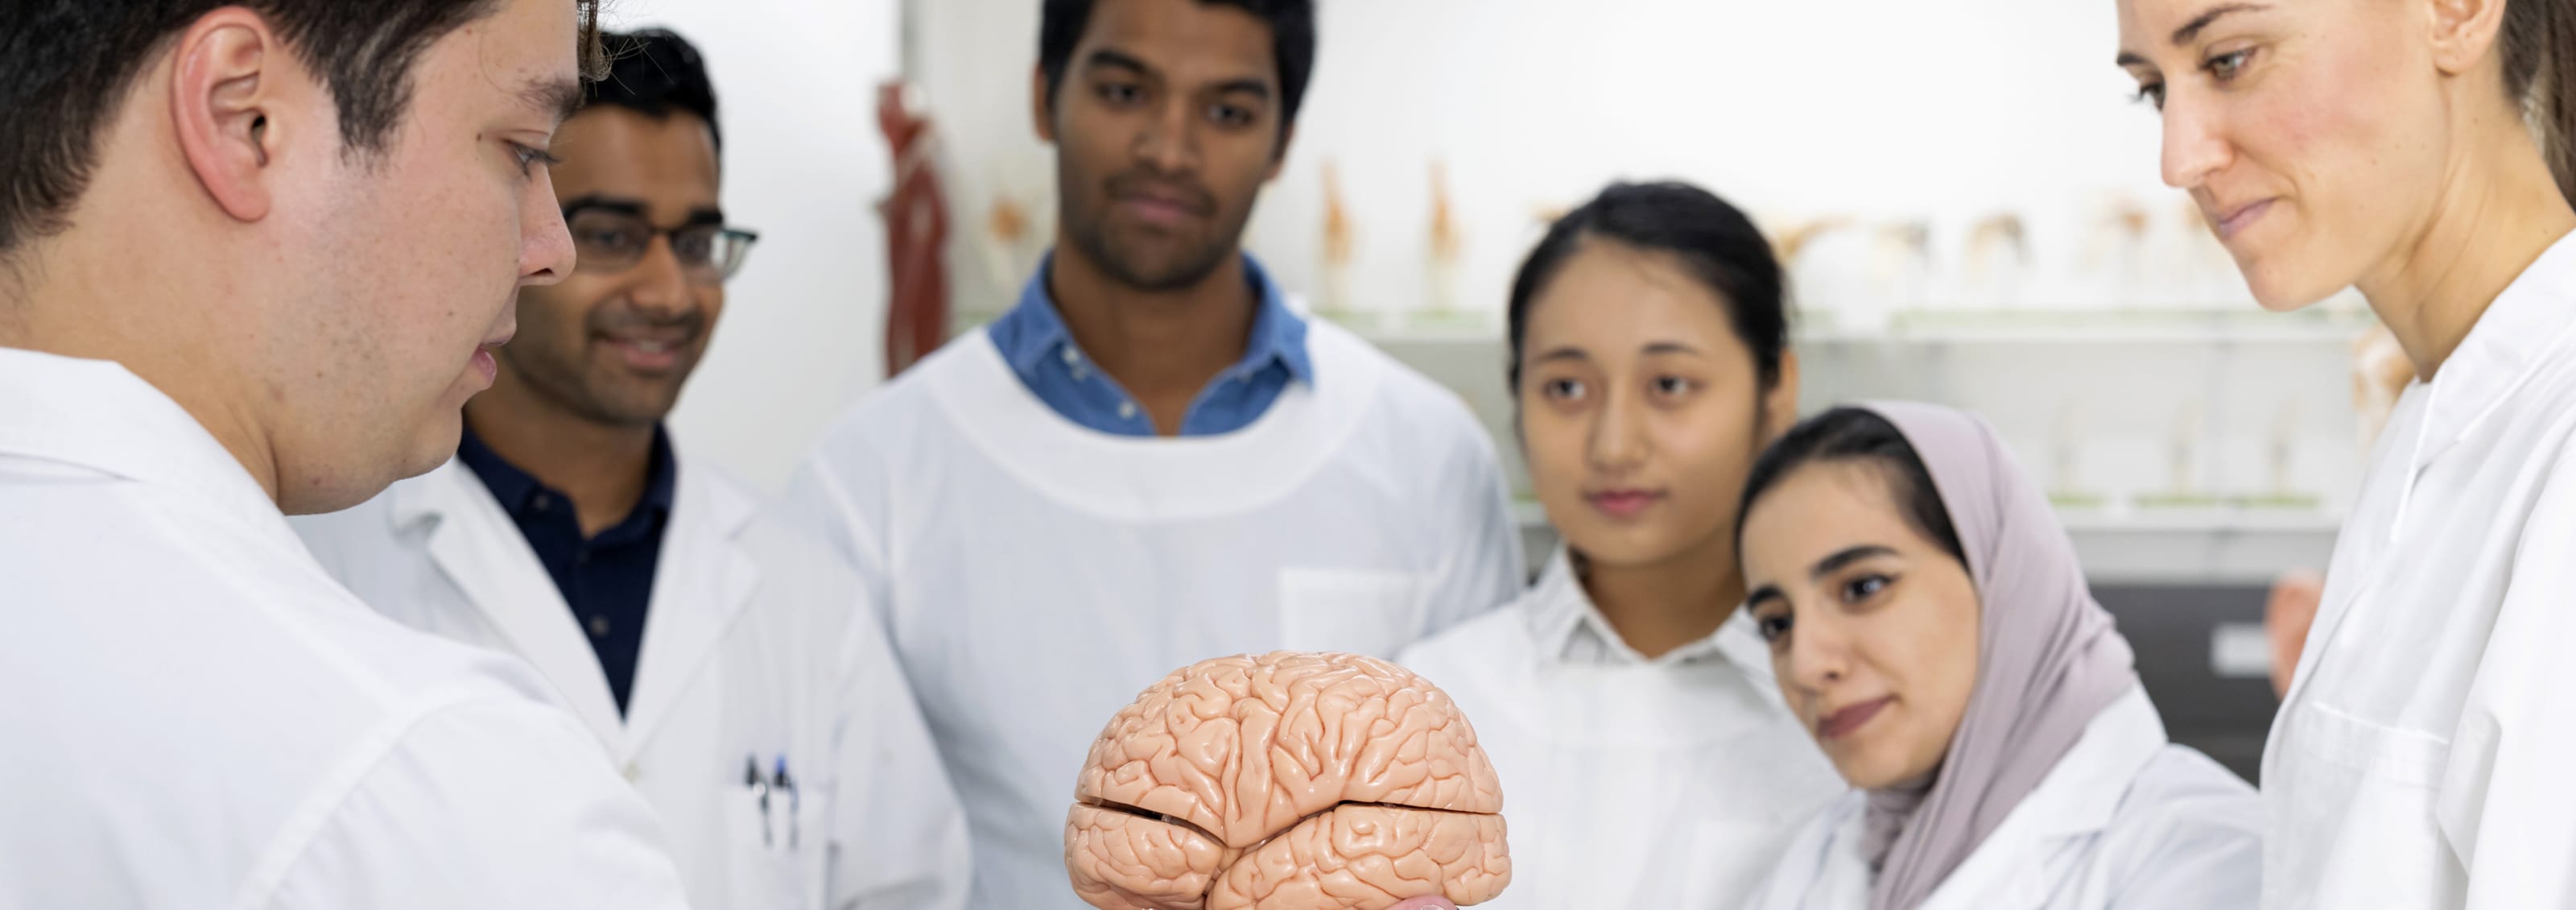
x=1153, y=479
x=97, y=414
x=2524, y=330
x=1569, y=628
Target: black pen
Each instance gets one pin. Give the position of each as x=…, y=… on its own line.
x=794, y=800
x=760, y=788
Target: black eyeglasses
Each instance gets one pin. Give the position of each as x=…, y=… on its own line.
x=611, y=240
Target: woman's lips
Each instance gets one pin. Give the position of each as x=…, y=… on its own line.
x=2234, y=223
x=1624, y=503
x=1841, y=723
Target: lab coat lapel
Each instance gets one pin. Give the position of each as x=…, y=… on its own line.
x=482, y=552
x=2524, y=330
x=2077, y=799
x=703, y=582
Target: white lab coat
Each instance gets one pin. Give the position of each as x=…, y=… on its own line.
x=2426, y=754
x=197, y=716
x=1628, y=783
x=2126, y=820
x=1036, y=575
x=756, y=644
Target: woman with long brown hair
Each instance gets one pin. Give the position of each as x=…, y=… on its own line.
x=2418, y=151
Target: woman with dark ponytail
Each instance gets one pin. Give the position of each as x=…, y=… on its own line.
x=1624, y=699
x=2424, y=152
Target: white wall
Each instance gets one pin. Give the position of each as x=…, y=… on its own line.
x=804, y=165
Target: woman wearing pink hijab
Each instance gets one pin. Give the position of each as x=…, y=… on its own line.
x=1930, y=626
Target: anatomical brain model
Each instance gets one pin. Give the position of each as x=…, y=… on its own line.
x=1287, y=782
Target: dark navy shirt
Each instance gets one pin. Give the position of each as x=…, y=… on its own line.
x=1033, y=337
x=607, y=579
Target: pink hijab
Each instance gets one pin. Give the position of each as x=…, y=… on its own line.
x=2048, y=659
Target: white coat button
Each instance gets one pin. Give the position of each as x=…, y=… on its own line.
x=634, y=772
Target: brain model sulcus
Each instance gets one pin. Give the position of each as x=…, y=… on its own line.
x=1287, y=781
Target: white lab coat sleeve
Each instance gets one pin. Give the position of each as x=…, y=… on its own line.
x=2506, y=791
x=1483, y=567
x=898, y=829
x=487, y=803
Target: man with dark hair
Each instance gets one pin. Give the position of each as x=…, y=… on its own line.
x=716, y=655
x=1152, y=459
x=252, y=261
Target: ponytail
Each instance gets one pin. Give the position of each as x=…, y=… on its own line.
x=2540, y=69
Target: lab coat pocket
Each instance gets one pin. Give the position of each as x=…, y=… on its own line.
x=762, y=847
x=2410, y=758
x=2383, y=846
x=1352, y=611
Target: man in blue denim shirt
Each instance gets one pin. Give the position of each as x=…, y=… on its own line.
x=1151, y=460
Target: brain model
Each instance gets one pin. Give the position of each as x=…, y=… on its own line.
x=1287, y=782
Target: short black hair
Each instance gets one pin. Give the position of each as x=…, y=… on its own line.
x=1856, y=436
x=654, y=72
x=66, y=67
x=1714, y=241
x=1292, y=41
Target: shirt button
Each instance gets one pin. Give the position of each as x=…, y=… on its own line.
x=1072, y=357
x=1127, y=410
x=599, y=627
x=545, y=502
x=634, y=772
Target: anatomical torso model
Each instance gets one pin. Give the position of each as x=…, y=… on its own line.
x=1287, y=781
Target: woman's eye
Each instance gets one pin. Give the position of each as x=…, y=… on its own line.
x=2152, y=93
x=1563, y=389
x=1772, y=628
x=2225, y=67
x=1864, y=587
x=1674, y=386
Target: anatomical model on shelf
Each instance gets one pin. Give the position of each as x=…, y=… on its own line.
x=1447, y=247
x=2114, y=262
x=1339, y=244
x=1287, y=781
x=1997, y=255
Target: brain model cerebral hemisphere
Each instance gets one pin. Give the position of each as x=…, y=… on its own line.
x=1287, y=782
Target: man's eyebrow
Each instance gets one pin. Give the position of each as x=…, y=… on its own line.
x=606, y=203
x=558, y=98
x=1116, y=59
x=1254, y=87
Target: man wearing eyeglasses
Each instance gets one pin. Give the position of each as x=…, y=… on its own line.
x=714, y=654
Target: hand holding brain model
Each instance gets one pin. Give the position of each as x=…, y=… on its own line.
x=1287, y=781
